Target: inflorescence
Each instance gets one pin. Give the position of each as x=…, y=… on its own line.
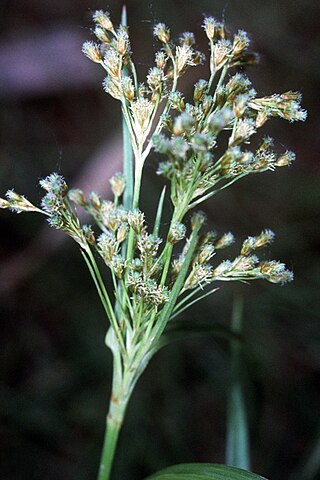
x=147, y=270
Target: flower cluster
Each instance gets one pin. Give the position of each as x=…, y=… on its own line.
x=153, y=279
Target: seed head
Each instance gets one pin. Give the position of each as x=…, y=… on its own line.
x=177, y=101
x=200, y=274
x=148, y=245
x=223, y=268
x=177, y=232
x=122, y=232
x=92, y=51
x=155, y=79
x=141, y=109
x=221, y=53
x=183, y=123
x=112, y=61
x=162, y=32
x=122, y=41
x=244, y=130
x=118, y=264
x=240, y=42
x=89, y=234
x=111, y=87
x=95, y=200
x=276, y=272
x=161, y=60
x=187, y=38
x=55, y=184
x=285, y=159
x=77, y=196
x=106, y=245
x=197, y=220
x=127, y=88
x=210, y=27
x=245, y=263
x=18, y=203
x=117, y=184
x=136, y=220
x=103, y=19
x=102, y=34
x=199, y=90
x=184, y=57
x=225, y=241
x=206, y=252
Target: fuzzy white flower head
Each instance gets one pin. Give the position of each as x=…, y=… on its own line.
x=141, y=110
x=183, y=57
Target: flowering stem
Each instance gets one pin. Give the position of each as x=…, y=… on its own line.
x=117, y=408
x=135, y=203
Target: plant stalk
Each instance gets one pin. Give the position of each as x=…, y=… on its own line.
x=114, y=422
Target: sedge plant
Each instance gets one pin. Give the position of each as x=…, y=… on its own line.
x=152, y=279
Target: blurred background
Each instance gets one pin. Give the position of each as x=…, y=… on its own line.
x=55, y=369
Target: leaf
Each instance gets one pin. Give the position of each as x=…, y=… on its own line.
x=166, y=312
x=159, y=213
x=127, y=147
x=203, y=471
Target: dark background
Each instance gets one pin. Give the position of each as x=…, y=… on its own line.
x=55, y=374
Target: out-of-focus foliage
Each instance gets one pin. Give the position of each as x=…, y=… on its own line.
x=55, y=367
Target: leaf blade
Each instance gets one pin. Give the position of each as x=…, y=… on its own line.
x=203, y=471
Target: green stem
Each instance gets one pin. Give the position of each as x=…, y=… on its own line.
x=135, y=204
x=114, y=422
x=237, y=443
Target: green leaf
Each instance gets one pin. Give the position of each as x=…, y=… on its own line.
x=203, y=471
x=159, y=212
x=166, y=312
x=127, y=147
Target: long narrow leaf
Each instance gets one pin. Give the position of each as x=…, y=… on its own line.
x=237, y=445
x=176, y=289
x=127, y=147
x=159, y=212
x=203, y=471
